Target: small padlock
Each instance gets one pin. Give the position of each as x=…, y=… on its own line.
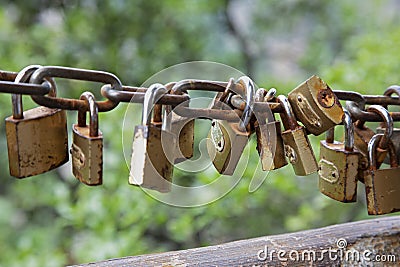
x=229, y=139
x=382, y=186
x=150, y=168
x=269, y=138
x=363, y=134
x=37, y=139
x=183, y=128
x=338, y=165
x=315, y=105
x=297, y=146
x=394, y=89
x=87, y=145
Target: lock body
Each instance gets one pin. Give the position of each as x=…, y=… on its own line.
x=225, y=145
x=382, y=189
x=269, y=136
x=315, y=105
x=183, y=129
x=338, y=171
x=150, y=167
x=87, y=156
x=38, y=142
x=299, y=151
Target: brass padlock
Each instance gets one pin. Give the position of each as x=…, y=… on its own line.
x=228, y=139
x=150, y=168
x=297, y=146
x=183, y=130
x=382, y=186
x=394, y=89
x=37, y=139
x=269, y=138
x=87, y=145
x=315, y=105
x=338, y=165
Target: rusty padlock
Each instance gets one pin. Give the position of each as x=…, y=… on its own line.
x=297, y=146
x=87, y=145
x=150, y=168
x=228, y=139
x=394, y=89
x=339, y=164
x=382, y=186
x=315, y=105
x=37, y=139
x=181, y=127
x=270, y=146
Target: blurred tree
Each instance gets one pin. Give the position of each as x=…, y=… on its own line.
x=52, y=220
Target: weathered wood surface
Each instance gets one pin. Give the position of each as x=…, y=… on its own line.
x=380, y=236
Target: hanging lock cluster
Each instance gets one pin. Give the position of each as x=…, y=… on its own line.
x=37, y=139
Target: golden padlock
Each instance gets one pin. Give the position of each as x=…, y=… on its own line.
x=339, y=164
x=37, y=139
x=315, y=105
x=150, y=168
x=270, y=146
x=382, y=186
x=227, y=140
x=87, y=145
x=181, y=127
x=297, y=146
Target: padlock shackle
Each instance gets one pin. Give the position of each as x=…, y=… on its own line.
x=384, y=113
x=93, y=111
x=250, y=89
x=348, y=131
x=373, y=145
x=260, y=94
x=289, y=119
x=151, y=97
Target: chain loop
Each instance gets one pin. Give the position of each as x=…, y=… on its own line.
x=74, y=74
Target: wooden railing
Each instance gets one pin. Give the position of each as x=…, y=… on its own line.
x=360, y=243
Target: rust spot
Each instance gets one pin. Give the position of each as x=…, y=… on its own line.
x=326, y=98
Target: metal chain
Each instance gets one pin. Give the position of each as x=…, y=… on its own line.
x=115, y=93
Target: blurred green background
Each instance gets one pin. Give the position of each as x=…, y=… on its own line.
x=52, y=220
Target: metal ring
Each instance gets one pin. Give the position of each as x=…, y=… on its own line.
x=90, y=100
x=152, y=95
x=388, y=121
x=76, y=74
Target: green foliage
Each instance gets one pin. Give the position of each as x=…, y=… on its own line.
x=51, y=220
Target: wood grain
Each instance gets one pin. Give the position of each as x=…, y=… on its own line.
x=380, y=236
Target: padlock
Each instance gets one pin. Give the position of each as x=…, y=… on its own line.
x=297, y=146
x=269, y=138
x=183, y=129
x=338, y=165
x=37, y=139
x=382, y=186
x=227, y=140
x=315, y=105
x=394, y=89
x=363, y=134
x=87, y=145
x=150, y=168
